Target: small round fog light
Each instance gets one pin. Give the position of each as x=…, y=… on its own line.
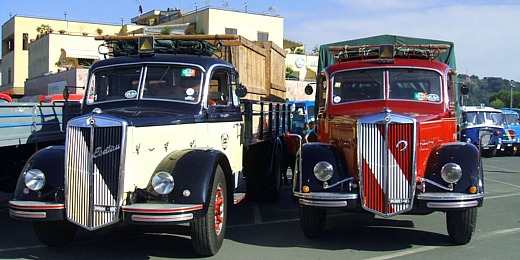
x=451, y=172
x=323, y=171
x=163, y=183
x=34, y=179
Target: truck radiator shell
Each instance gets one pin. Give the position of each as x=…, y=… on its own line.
x=387, y=154
x=94, y=171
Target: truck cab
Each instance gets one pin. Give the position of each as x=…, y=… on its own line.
x=483, y=127
x=388, y=139
x=303, y=112
x=511, y=141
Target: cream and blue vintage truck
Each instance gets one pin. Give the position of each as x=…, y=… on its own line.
x=164, y=138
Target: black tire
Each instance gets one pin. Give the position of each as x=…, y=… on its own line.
x=489, y=153
x=266, y=187
x=274, y=180
x=54, y=233
x=461, y=225
x=312, y=221
x=207, y=233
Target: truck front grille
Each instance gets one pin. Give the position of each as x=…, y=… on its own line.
x=93, y=174
x=387, y=170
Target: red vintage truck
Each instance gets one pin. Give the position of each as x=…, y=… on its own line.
x=387, y=124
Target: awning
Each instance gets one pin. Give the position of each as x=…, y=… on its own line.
x=81, y=54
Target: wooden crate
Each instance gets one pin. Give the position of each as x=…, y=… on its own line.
x=261, y=66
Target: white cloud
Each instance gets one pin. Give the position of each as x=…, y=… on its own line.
x=486, y=37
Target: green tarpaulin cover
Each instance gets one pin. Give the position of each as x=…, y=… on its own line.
x=327, y=58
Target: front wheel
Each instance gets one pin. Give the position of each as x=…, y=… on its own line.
x=54, y=233
x=207, y=233
x=312, y=221
x=461, y=225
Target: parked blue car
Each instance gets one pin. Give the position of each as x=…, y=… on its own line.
x=511, y=141
x=303, y=111
x=482, y=126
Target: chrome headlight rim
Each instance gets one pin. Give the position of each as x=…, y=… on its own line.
x=163, y=182
x=34, y=179
x=451, y=172
x=323, y=171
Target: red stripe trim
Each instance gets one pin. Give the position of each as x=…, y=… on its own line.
x=170, y=210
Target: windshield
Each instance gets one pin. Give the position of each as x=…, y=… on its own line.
x=409, y=84
x=482, y=117
x=164, y=82
x=400, y=84
x=511, y=119
x=357, y=85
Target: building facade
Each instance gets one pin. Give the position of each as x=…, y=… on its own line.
x=20, y=33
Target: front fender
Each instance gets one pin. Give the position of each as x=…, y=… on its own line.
x=193, y=171
x=464, y=154
x=311, y=154
x=51, y=161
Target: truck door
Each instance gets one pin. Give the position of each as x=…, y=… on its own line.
x=225, y=120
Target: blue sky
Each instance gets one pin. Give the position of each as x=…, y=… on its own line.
x=486, y=33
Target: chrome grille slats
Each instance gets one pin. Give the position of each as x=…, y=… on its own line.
x=386, y=155
x=93, y=174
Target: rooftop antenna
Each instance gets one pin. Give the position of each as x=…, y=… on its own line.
x=272, y=9
x=225, y=3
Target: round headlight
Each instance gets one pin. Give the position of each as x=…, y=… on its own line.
x=163, y=183
x=34, y=179
x=451, y=172
x=323, y=171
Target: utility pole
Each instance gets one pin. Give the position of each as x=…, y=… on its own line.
x=511, y=102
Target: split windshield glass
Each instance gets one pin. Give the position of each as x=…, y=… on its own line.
x=162, y=82
x=400, y=84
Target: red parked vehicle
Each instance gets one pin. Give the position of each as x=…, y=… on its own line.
x=387, y=113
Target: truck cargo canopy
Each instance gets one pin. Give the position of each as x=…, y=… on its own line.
x=327, y=58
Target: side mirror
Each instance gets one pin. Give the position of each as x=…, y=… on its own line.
x=66, y=93
x=241, y=91
x=308, y=89
x=464, y=89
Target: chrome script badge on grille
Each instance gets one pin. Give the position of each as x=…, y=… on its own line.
x=99, y=151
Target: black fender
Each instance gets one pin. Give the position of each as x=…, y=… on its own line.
x=193, y=170
x=311, y=154
x=51, y=161
x=464, y=154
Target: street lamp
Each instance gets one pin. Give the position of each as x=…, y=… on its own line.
x=511, y=103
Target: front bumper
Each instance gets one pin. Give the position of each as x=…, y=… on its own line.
x=160, y=213
x=430, y=200
x=136, y=213
x=37, y=210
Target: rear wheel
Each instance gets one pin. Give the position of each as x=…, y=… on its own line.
x=54, y=233
x=312, y=221
x=266, y=187
x=461, y=225
x=488, y=153
x=207, y=233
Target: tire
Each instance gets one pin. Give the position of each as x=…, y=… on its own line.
x=489, y=153
x=54, y=233
x=461, y=225
x=207, y=233
x=274, y=180
x=266, y=187
x=312, y=221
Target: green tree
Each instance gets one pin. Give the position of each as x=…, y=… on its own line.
x=497, y=103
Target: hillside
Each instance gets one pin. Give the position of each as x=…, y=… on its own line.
x=491, y=91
